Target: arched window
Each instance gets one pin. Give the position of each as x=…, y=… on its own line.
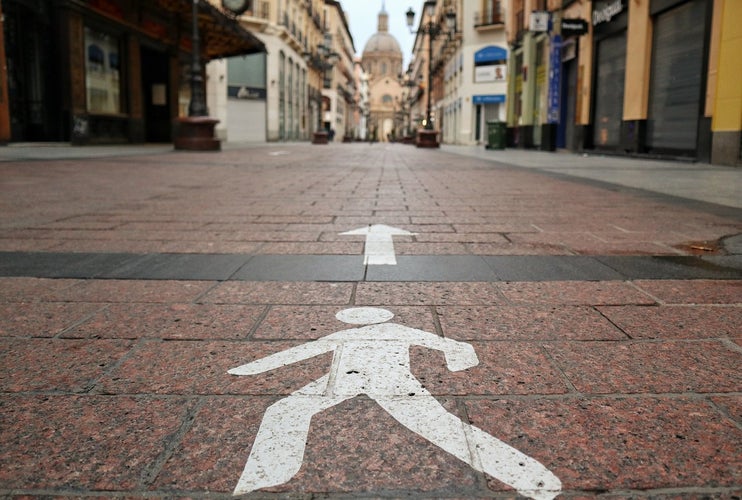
x=387, y=99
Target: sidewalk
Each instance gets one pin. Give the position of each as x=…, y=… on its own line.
x=180, y=325
x=694, y=181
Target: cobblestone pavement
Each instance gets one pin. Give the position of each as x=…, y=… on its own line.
x=605, y=320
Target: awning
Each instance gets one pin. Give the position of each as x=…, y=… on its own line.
x=489, y=54
x=220, y=35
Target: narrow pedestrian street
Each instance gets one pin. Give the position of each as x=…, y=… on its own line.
x=286, y=320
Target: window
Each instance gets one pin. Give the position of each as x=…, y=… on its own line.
x=102, y=72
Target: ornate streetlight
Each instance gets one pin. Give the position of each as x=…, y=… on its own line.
x=427, y=137
x=408, y=84
x=323, y=60
x=196, y=131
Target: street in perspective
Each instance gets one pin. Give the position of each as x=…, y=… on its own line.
x=368, y=320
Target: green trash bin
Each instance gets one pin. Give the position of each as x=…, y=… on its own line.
x=496, y=135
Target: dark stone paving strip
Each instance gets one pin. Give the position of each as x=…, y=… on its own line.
x=432, y=268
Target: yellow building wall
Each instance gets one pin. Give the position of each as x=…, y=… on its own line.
x=638, y=60
x=584, y=66
x=713, y=67
x=728, y=106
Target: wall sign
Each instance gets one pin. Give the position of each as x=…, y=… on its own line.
x=603, y=12
x=490, y=64
x=244, y=92
x=488, y=99
x=490, y=54
x=490, y=73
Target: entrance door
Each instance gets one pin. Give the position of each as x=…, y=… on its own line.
x=155, y=85
x=609, y=89
x=566, y=129
x=28, y=43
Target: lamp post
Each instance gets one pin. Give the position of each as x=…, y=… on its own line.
x=197, y=106
x=196, y=131
x=323, y=60
x=405, y=103
x=428, y=136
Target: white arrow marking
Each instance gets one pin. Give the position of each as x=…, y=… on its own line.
x=379, y=249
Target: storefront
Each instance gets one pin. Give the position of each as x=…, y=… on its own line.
x=675, y=121
x=106, y=71
x=610, y=21
x=489, y=88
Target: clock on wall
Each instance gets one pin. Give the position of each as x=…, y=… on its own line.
x=236, y=7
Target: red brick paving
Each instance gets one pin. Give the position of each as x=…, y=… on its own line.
x=119, y=387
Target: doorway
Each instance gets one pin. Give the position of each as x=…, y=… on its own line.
x=156, y=87
x=34, y=105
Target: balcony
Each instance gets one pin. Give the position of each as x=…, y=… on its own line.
x=489, y=18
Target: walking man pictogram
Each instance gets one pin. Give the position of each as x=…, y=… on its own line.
x=374, y=360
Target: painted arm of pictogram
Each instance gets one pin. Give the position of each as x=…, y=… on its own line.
x=459, y=355
x=283, y=358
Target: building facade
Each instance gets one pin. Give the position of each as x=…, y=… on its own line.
x=340, y=86
x=304, y=82
x=363, y=108
x=264, y=95
x=475, y=74
x=104, y=71
x=639, y=77
x=469, y=69
x=382, y=59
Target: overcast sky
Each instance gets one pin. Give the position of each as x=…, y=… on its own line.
x=363, y=18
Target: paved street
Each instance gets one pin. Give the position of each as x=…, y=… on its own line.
x=196, y=325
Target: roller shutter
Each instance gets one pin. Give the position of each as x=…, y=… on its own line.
x=677, y=78
x=611, y=68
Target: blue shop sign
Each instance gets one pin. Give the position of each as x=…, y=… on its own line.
x=488, y=99
x=491, y=53
x=555, y=79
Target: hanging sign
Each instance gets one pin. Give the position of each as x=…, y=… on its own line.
x=539, y=21
x=574, y=27
x=555, y=79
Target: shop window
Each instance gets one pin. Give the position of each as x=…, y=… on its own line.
x=102, y=72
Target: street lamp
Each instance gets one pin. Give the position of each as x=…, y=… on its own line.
x=408, y=83
x=323, y=59
x=197, y=106
x=196, y=131
x=428, y=138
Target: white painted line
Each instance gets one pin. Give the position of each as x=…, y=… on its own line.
x=374, y=360
x=278, y=153
x=379, y=248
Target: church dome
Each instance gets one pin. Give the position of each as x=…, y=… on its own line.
x=382, y=42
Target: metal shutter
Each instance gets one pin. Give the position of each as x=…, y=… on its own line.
x=611, y=70
x=675, y=88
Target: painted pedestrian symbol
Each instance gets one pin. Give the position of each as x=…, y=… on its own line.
x=374, y=360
